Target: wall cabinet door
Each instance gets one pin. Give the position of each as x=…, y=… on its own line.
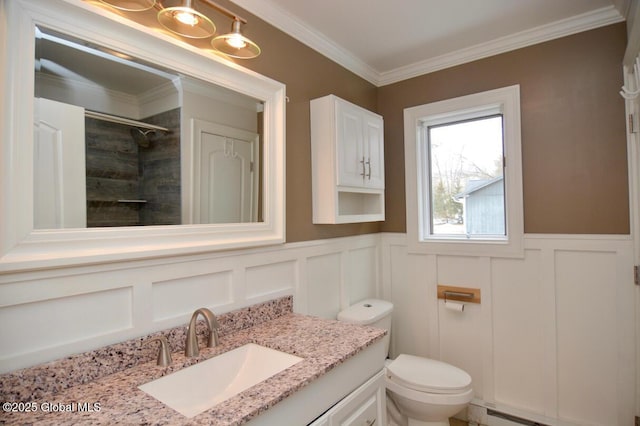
x=359, y=146
x=374, y=151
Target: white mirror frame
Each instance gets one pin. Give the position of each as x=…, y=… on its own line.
x=23, y=248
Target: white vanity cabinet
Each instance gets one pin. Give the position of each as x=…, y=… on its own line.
x=347, y=152
x=363, y=407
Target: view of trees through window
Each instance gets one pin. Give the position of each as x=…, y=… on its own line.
x=466, y=177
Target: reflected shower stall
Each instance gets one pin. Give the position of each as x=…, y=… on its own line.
x=133, y=172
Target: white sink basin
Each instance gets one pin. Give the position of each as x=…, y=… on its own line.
x=196, y=389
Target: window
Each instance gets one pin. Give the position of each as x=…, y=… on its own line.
x=464, y=175
x=465, y=193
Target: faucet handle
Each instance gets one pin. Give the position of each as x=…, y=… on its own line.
x=164, y=351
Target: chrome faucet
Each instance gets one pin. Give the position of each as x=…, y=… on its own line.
x=191, y=345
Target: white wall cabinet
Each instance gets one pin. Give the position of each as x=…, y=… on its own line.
x=363, y=407
x=347, y=151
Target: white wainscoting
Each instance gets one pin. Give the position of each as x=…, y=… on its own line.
x=553, y=336
x=49, y=314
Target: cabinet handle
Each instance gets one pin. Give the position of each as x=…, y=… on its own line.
x=364, y=172
x=369, y=164
x=370, y=422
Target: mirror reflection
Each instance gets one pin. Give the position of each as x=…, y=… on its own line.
x=121, y=142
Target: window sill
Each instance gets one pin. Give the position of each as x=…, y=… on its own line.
x=511, y=248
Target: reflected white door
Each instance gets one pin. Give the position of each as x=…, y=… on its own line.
x=225, y=174
x=59, y=166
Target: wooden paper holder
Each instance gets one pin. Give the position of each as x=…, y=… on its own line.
x=460, y=294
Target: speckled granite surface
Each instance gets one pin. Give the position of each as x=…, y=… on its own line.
x=114, y=397
x=53, y=377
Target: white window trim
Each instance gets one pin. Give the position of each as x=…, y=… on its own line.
x=505, y=100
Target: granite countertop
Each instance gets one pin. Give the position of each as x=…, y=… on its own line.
x=323, y=344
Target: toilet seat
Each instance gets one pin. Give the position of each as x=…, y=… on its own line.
x=428, y=375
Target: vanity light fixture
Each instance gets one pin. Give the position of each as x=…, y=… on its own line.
x=186, y=21
x=235, y=44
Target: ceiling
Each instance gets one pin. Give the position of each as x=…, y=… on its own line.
x=385, y=41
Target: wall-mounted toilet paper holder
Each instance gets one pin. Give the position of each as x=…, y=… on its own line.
x=460, y=294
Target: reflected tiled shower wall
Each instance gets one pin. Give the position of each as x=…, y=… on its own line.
x=133, y=179
x=160, y=172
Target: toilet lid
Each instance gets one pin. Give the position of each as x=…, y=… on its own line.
x=428, y=375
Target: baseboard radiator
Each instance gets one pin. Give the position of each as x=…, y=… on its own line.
x=481, y=413
x=496, y=418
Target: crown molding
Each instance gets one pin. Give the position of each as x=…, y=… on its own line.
x=584, y=22
x=289, y=24
x=92, y=96
x=281, y=19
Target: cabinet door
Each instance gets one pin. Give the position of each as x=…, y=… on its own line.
x=365, y=414
x=349, y=149
x=321, y=421
x=60, y=190
x=364, y=407
x=374, y=152
x=225, y=173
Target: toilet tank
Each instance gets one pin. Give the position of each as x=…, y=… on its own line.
x=371, y=312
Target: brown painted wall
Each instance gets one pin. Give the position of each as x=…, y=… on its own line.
x=573, y=129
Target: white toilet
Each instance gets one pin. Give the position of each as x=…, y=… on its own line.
x=420, y=391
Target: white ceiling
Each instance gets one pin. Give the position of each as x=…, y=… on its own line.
x=387, y=41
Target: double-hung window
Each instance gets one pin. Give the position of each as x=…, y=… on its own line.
x=464, y=175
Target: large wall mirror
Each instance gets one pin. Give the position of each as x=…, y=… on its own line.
x=120, y=142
